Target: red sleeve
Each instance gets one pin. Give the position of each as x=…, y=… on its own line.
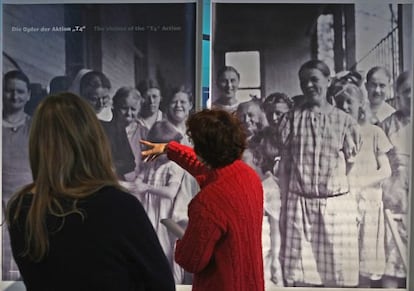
x=186, y=158
x=194, y=251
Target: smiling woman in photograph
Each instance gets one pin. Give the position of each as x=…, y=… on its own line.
x=378, y=86
x=16, y=124
x=15, y=163
x=228, y=79
x=178, y=109
x=318, y=143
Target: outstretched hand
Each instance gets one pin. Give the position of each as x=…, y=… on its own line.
x=155, y=149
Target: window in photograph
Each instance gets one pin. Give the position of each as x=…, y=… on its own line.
x=247, y=63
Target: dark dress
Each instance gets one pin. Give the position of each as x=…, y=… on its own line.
x=114, y=247
x=123, y=157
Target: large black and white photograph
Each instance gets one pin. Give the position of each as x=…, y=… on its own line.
x=324, y=93
x=302, y=169
x=135, y=64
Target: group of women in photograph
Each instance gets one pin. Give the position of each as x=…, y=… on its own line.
x=331, y=162
x=339, y=157
x=130, y=115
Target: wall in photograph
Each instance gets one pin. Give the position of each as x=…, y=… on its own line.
x=134, y=63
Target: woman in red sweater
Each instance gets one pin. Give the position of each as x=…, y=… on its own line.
x=222, y=242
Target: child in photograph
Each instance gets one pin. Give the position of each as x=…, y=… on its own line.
x=158, y=184
x=396, y=189
x=267, y=140
x=370, y=168
x=275, y=105
x=270, y=229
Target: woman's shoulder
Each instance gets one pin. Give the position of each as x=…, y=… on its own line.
x=375, y=129
x=338, y=116
x=112, y=194
x=392, y=123
x=229, y=108
x=110, y=197
x=24, y=199
x=112, y=203
x=236, y=174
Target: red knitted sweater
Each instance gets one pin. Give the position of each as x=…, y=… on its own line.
x=222, y=244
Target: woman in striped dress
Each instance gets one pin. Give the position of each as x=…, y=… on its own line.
x=319, y=215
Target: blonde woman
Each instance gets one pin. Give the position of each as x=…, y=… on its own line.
x=74, y=228
x=371, y=168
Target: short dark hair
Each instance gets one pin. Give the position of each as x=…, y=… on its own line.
x=58, y=84
x=16, y=74
x=122, y=93
x=316, y=64
x=227, y=69
x=375, y=69
x=218, y=136
x=183, y=89
x=278, y=97
x=93, y=80
x=146, y=84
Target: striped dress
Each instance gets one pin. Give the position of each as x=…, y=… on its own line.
x=321, y=236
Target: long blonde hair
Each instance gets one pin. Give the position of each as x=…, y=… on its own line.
x=70, y=159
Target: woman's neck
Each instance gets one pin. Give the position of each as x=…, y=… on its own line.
x=227, y=101
x=375, y=107
x=180, y=125
x=324, y=107
x=362, y=122
x=149, y=120
x=14, y=117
